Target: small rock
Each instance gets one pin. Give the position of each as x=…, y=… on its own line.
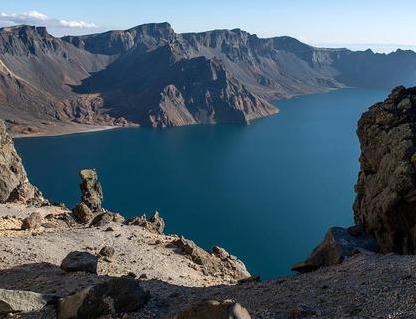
x=118, y=218
x=210, y=309
x=101, y=220
x=80, y=261
x=107, y=251
x=83, y=213
x=158, y=222
x=33, y=221
x=117, y=295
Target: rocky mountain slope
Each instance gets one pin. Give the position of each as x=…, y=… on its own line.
x=386, y=188
x=150, y=75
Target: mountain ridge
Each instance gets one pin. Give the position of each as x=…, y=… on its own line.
x=149, y=75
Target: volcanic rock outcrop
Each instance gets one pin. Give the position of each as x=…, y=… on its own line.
x=14, y=184
x=385, y=204
x=91, y=196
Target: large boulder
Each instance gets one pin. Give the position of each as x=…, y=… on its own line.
x=14, y=184
x=209, y=309
x=115, y=296
x=339, y=243
x=385, y=204
x=12, y=301
x=91, y=190
x=80, y=261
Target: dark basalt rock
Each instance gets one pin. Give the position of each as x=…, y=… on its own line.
x=339, y=243
x=117, y=295
x=385, y=204
x=80, y=261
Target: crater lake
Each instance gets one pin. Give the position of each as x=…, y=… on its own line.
x=266, y=192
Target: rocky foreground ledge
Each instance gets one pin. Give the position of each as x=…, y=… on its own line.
x=91, y=263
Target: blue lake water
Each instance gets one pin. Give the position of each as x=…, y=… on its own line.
x=266, y=192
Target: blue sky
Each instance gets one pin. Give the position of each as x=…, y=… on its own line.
x=379, y=24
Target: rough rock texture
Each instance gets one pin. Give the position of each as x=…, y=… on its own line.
x=14, y=301
x=14, y=184
x=33, y=221
x=91, y=190
x=117, y=295
x=80, y=261
x=102, y=219
x=222, y=262
x=107, y=251
x=339, y=244
x=155, y=224
x=138, y=250
x=210, y=309
x=83, y=213
x=386, y=188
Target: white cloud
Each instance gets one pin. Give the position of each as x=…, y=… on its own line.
x=77, y=24
x=38, y=18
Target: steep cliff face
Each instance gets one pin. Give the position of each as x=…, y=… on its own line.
x=37, y=72
x=386, y=190
x=14, y=184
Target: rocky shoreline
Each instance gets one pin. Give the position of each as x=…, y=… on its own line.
x=91, y=263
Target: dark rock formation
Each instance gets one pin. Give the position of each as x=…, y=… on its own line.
x=117, y=295
x=16, y=301
x=80, y=261
x=339, y=243
x=385, y=204
x=152, y=76
x=219, y=261
x=91, y=189
x=14, y=184
x=210, y=309
x=91, y=197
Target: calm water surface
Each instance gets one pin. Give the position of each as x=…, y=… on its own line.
x=266, y=192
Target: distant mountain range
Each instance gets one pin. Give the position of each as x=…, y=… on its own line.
x=151, y=76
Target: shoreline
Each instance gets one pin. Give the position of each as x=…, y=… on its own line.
x=66, y=132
